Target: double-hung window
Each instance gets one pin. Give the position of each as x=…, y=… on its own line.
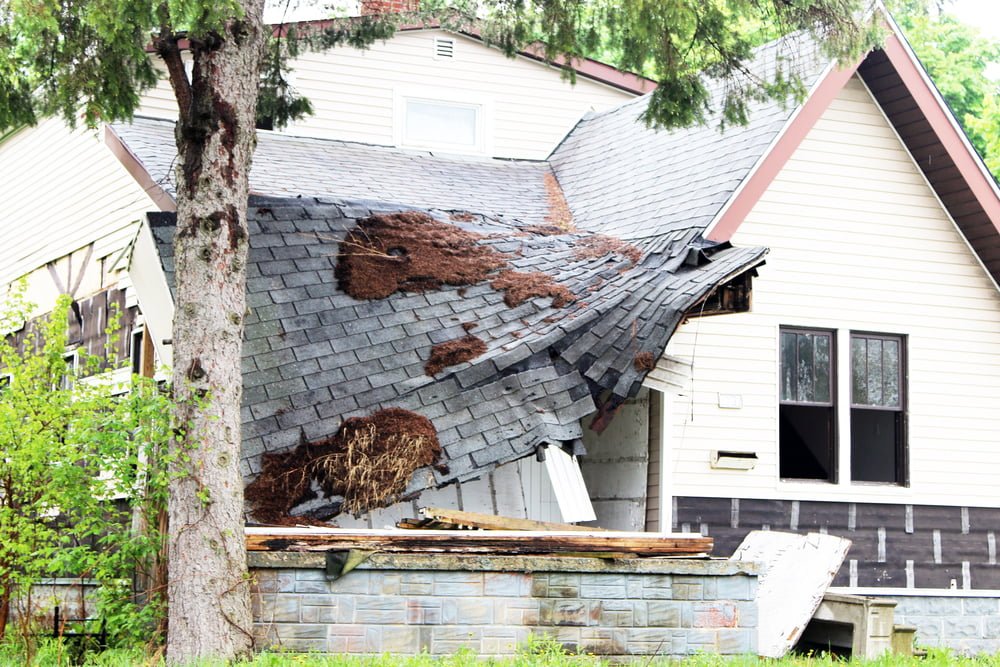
x=809, y=441
x=807, y=415
x=877, y=416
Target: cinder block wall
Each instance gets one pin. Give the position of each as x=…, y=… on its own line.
x=438, y=604
x=965, y=624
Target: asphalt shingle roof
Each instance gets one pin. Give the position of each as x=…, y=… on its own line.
x=287, y=166
x=314, y=356
x=625, y=179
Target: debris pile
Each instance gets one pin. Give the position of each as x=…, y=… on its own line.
x=520, y=287
x=453, y=352
x=368, y=463
x=644, y=361
x=559, y=214
x=410, y=251
x=599, y=245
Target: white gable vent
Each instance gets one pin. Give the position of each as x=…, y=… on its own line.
x=444, y=47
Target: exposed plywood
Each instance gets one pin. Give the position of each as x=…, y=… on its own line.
x=858, y=243
x=507, y=491
x=477, y=495
x=797, y=571
x=616, y=464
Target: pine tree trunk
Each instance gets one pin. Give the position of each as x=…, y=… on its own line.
x=208, y=590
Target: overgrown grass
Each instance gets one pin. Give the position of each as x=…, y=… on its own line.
x=539, y=652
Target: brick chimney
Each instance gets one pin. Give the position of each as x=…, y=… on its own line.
x=369, y=7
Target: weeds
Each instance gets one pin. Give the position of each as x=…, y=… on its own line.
x=538, y=651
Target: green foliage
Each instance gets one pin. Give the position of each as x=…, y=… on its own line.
x=677, y=42
x=957, y=57
x=79, y=470
x=88, y=59
x=537, y=652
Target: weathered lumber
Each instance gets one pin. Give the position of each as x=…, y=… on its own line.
x=494, y=522
x=476, y=541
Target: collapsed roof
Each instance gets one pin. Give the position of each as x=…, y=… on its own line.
x=314, y=355
x=497, y=375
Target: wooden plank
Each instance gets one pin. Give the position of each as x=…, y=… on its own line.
x=797, y=571
x=476, y=542
x=491, y=522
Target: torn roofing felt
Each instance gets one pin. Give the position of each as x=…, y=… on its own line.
x=315, y=356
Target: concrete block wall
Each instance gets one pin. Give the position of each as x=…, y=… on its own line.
x=408, y=604
x=966, y=624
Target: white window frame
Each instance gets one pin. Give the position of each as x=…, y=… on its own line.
x=446, y=97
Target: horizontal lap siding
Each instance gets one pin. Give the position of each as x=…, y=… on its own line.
x=62, y=190
x=352, y=92
x=858, y=241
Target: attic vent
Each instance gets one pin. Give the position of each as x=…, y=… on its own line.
x=444, y=48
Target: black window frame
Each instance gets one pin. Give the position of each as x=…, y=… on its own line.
x=834, y=437
x=902, y=467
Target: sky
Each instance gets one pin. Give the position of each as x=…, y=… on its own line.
x=985, y=14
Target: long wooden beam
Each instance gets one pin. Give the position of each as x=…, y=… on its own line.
x=477, y=542
x=493, y=522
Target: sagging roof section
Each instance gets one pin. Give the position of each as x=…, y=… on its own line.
x=315, y=355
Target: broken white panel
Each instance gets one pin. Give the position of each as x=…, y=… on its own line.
x=671, y=375
x=568, y=485
x=796, y=572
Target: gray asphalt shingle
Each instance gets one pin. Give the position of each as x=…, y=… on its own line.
x=315, y=356
x=543, y=369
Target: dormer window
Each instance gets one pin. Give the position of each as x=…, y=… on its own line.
x=448, y=124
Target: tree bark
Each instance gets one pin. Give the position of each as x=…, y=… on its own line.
x=208, y=589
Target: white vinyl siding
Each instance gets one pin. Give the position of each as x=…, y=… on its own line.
x=858, y=243
x=62, y=190
x=352, y=92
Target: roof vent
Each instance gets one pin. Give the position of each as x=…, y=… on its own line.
x=444, y=48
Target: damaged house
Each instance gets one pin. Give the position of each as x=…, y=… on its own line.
x=586, y=330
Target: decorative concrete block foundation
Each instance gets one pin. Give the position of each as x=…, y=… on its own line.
x=966, y=624
x=440, y=603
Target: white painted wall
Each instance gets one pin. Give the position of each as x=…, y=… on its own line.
x=858, y=242
x=529, y=108
x=62, y=191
